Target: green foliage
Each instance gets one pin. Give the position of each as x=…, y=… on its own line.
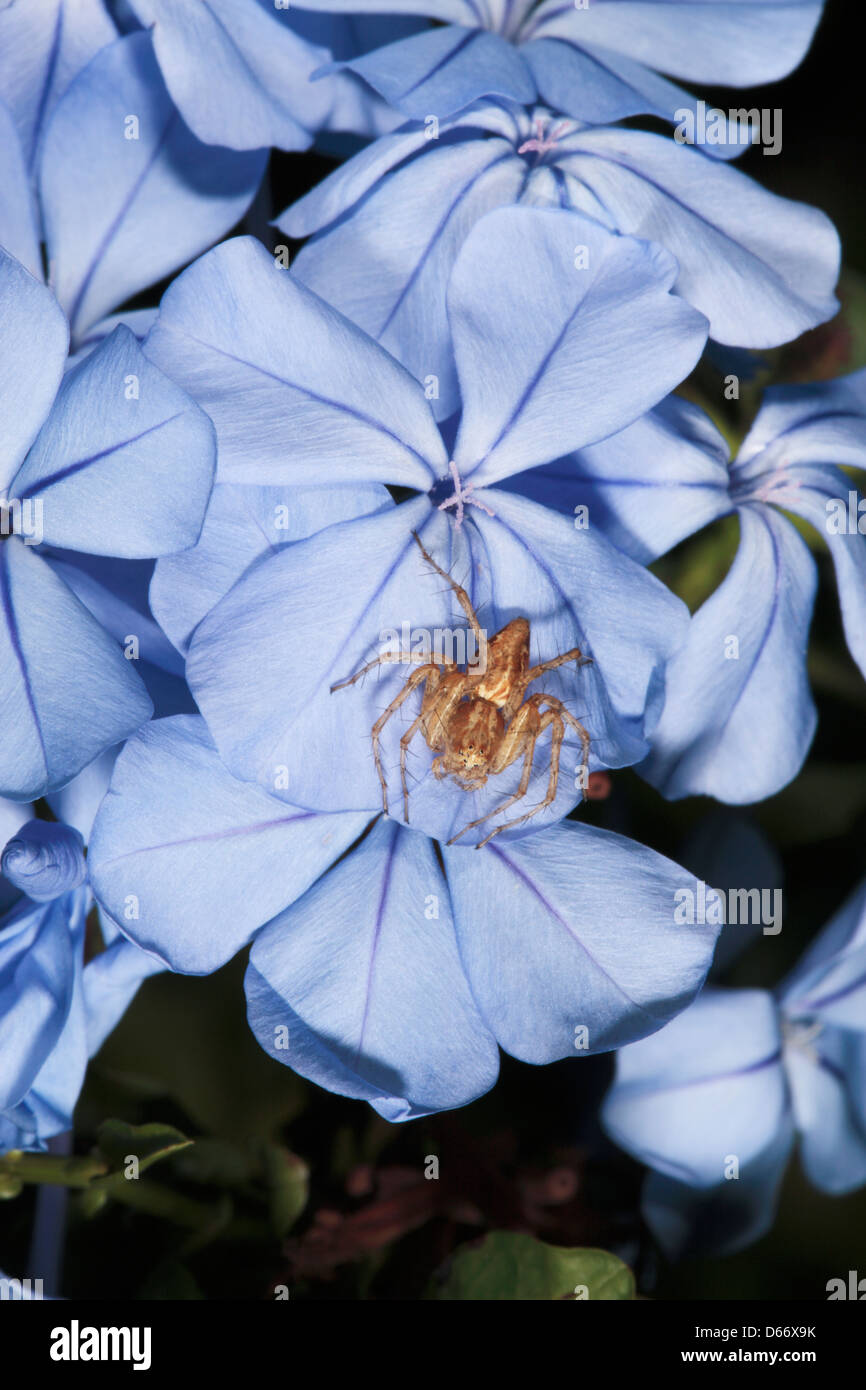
x=508, y=1265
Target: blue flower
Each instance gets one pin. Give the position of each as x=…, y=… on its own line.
x=391, y=221
x=240, y=71
x=713, y=1103
x=739, y=715
x=44, y=860
x=111, y=458
x=381, y=969
x=122, y=192
x=599, y=61
x=55, y=1010
x=298, y=393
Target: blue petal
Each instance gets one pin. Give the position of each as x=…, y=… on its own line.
x=546, y=353
x=110, y=983
x=116, y=593
x=646, y=487
x=829, y=981
x=739, y=716
x=138, y=321
x=33, y=342
x=399, y=296
x=739, y=45
x=42, y=47
x=296, y=391
x=65, y=689
x=124, y=464
x=76, y=804
x=600, y=85
x=242, y=524
x=709, y=1086
x=360, y=986
x=124, y=205
x=828, y=1083
x=239, y=75
x=689, y=1221
x=19, y=231
x=445, y=69
x=44, y=860
x=792, y=457
x=190, y=862
x=375, y=568
x=552, y=949
x=37, y=979
x=761, y=268
x=455, y=11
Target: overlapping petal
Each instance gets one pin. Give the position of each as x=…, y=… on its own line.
x=739, y=714
x=176, y=835
x=296, y=391
x=238, y=73
x=128, y=192
x=360, y=987
x=573, y=930
x=33, y=342
x=709, y=1086
x=55, y=659
x=536, y=382
x=124, y=464
x=242, y=524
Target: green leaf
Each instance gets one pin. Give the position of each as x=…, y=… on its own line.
x=119, y=1142
x=288, y=1185
x=508, y=1265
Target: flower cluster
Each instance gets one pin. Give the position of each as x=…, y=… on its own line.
x=327, y=588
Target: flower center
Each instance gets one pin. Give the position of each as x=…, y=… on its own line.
x=800, y=1035
x=460, y=498
x=777, y=486
x=546, y=137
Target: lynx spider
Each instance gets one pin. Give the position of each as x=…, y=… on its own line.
x=479, y=723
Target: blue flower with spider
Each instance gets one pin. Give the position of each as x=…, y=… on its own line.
x=598, y=60
x=739, y=715
x=736, y=1079
x=390, y=222
x=383, y=967
x=297, y=393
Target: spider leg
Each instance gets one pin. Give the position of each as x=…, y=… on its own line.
x=411, y=683
x=553, y=718
x=460, y=594
x=407, y=657
x=574, y=655
x=404, y=749
x=581, y=732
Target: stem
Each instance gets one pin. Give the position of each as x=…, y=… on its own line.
x=45, y=1260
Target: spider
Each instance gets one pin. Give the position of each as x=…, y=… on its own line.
x=479, y=722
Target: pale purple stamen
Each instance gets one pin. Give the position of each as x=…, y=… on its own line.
x=461, y=496
x=544, y=139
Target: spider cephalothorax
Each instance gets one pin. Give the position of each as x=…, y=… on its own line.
x=481, y=720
